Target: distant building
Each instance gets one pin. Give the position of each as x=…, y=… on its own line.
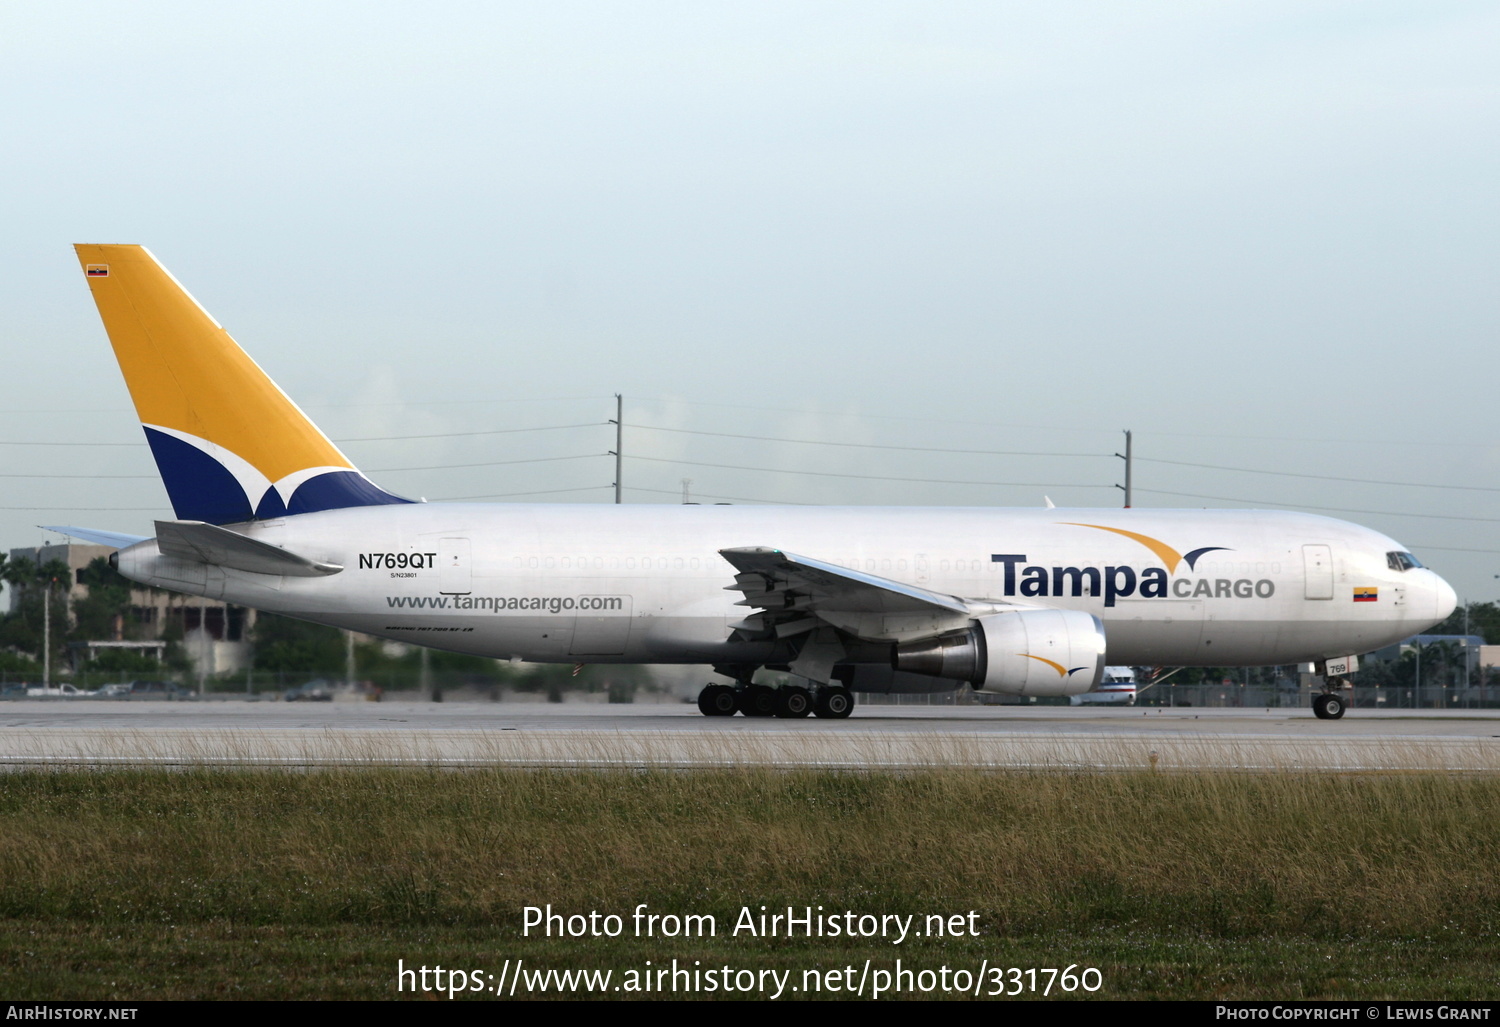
x=1469, y=644
x=214, y=633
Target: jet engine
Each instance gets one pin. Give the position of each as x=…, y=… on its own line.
x=1027, y=652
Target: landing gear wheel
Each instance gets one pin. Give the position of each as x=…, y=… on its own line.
x=717, y=701
x=834, y=702
x=793, y=701
x=1328, y=706
x=758, y=701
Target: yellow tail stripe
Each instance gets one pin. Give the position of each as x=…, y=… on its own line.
x=185, y=372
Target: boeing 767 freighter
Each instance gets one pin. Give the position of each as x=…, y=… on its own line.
x=844, y=599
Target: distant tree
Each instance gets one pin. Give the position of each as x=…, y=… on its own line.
x=1484, y=620
x=23, y=629
x=284, y=644
x=105, y=611
x=14, y=663
x=1440, y=662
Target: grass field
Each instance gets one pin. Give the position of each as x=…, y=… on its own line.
x=264, y=884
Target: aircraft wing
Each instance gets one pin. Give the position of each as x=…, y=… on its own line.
x=794, y=594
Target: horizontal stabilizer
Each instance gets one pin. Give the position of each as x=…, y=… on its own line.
x=208, y=543
x=93, y=536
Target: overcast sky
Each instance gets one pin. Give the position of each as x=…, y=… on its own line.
x=1260, y=235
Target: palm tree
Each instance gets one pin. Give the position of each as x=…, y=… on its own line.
x=26, y=576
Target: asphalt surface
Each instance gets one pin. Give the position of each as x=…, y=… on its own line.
x=447, y=716
x=240, y=733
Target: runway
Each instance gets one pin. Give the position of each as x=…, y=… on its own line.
x=35, y=733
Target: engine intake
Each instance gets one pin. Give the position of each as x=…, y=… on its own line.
x=1028, y=652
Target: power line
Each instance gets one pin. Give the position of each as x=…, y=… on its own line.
x=23, y=443
x=372, y=438
x=867, y=477
x=90, y=509
x=467, y=434
x=1039, y=426
x=454, y=402
x=1318, y=477
x=859, y=445
x=122, y=410
x=489, y=463
x=85, y=477
x=1331, y=509
x=508, y=495
x=833, y=414
x=705, y=495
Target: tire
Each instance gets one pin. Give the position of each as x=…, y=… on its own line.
x=793, y=702
x=758, y=701
x=1333, y=707
x=1320, y=707
x=717, y=701
x=834, y=702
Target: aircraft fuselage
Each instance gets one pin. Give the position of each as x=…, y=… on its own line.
x=646, y=584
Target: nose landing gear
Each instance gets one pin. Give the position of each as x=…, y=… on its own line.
x=1330, y=705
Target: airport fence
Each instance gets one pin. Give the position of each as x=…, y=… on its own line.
x=551, y=684
x=628, y=684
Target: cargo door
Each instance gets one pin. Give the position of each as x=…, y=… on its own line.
x=1317, y=562
x=454, y=576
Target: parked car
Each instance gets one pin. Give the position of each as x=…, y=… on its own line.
x=56, y=692
x=316, y=690
x=112, y=691
x=155, y=690
x=16, y=691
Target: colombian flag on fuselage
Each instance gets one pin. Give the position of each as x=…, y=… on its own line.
x=229, y=444
x=1366, y=595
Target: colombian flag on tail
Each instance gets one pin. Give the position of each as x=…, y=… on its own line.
x=229, y=444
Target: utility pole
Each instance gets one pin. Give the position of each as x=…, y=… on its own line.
x=618, y=451
x=348, y=658
x=46, y=628
x=1417, y=695
x=205, y=644
x=1466, y=652
x=1129, y=466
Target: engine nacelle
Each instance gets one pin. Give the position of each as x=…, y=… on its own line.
x=1028, y=652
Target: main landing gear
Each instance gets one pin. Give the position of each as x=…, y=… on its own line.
x=1331, y=704
x=790, y=702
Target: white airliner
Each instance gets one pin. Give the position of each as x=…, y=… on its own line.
x=845, y=599
x=1116, y=687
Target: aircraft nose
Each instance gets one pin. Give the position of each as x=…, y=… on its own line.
x=1444, y=597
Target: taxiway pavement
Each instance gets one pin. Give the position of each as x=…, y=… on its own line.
x=240, y=733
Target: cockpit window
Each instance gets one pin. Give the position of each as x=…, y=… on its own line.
x=1401, y=561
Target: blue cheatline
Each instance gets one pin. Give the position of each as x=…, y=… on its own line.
x=202, y=489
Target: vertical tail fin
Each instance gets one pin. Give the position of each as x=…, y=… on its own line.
x=229, y=444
